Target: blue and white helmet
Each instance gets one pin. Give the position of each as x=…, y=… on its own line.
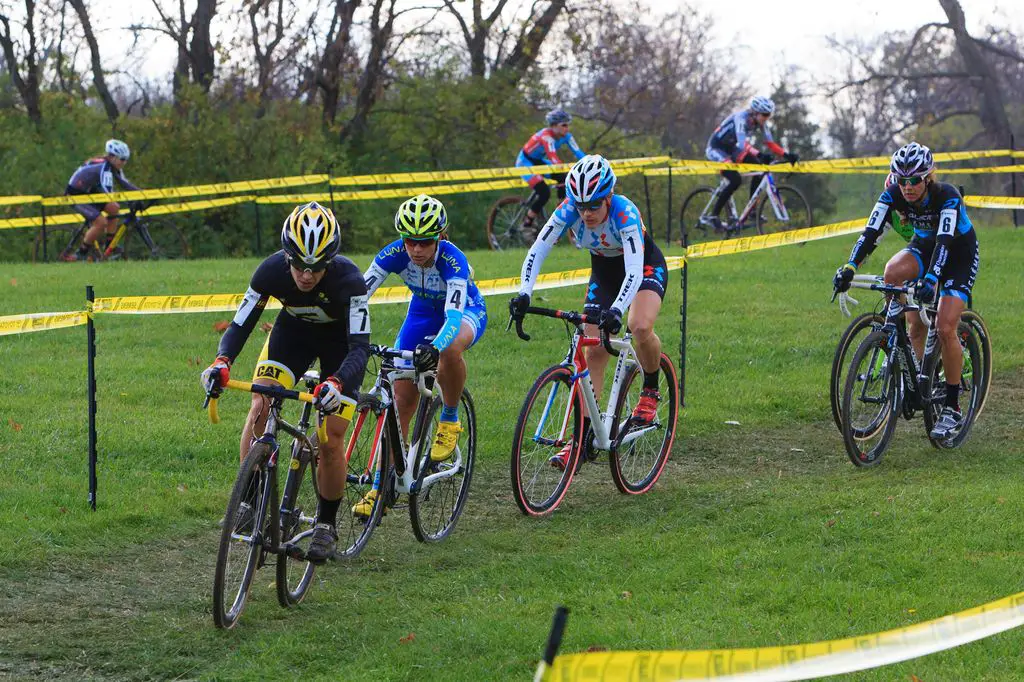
x=762, y=105
x=118, y=149
x=590, y=178
x=556, y=116
x=912, y=160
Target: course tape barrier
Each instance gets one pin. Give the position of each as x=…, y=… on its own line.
x=37, y=322
x=994, y=202
x=725, y=247
x=164, y=209
x=797, y=661
x=185, y=192
x=15, y=200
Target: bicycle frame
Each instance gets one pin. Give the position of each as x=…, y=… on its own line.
x=901, y=349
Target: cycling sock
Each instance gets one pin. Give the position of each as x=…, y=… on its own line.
x=953, y=396
x=328, y=511
x=450, y=414
x=651, y=380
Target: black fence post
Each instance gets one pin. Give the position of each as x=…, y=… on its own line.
x=330, y=187
x=647, y=199
x=90, y=333
x=42, y=216
x=683, y=282
x=256, y=209
x=1013, y=180
x=668, y=214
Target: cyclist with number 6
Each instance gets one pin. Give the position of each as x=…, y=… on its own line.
x=628, y=270
x=97, y=176
x=325, y=316
x=942, y=256
x=542, y=148
x=446, y=316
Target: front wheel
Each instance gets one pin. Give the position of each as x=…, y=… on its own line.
x=250, y=522
x=366, y=482
x=797, y=209
x=61, y=241
x=973, y=387
x=550, y=423
x=298, y=517
x=980, y=330
x=695, y=205
x=441, y=488
x=872, y=398
x=505, y=225
x=852, y=336
x=155, y=238
x=639, y=453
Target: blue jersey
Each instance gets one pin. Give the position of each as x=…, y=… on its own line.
x=445, y=285
x=734, y=132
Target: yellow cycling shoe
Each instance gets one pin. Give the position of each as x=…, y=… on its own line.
x=445, y=440
x=364, y=507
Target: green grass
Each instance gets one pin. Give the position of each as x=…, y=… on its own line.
x=757, y=535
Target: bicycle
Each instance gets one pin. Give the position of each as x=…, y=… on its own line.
x=775, y=207
x=381, y=466
x=885, y=379
x=505, y=222
x=256, y=524
x=157, y=238
x=553, y=414
x=868, y=322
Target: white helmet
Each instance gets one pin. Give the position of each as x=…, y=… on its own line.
x=762, y=105
x=912, y=159
x=589, y=179
x=118, y=149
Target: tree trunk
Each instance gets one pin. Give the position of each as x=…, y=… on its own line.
x=97, y=66
x=524, y=54
x=27, y=84
x=329, y=71
x=201, y=48
x=370, y=80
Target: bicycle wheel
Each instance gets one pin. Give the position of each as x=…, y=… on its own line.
x=367, y=470
x=442, y=487
x=243, y=535
x=796, y=206
x=60, y=241
x=638, y=456
x=980, y=330
x=851, y=338
x=167, y=241
x=298, y=517
x=550, y=419
x=973, y=380
x=871, y=401
x=504, y=224
x=695, y=205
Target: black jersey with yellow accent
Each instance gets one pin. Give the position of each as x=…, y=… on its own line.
x=337, y=305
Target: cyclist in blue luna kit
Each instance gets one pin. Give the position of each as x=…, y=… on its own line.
x=542, y=148
x=446, y=315
x=731, y=142
x=942, y=256
x=325, y=315
x=628, y=270
x=97, y=176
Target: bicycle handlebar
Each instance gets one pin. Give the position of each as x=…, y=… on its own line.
x=272, y=391
x=396, y=354
x=570, y=316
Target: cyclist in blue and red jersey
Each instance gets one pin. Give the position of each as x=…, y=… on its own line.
x=731, y=143
x=628, y=270
x=542, y=148
x=942, y=256
x=97, y=176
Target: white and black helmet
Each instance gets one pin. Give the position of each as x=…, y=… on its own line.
x=589, y=179
x=118, y=149
x=912, y=160
x=762, y=105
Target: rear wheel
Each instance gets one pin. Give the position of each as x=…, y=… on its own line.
x=858, y=329
x=871, y=401
x=365, y=483
x=637, y=463
x=505, y=225
x=551, y=419
x=250, y=521
x=166, y=241
x=442, y=487
x=973, y=383
x=796, y=206
x=696, y=204
x=298, y=517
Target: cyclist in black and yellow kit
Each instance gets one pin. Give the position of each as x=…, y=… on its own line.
x=325, y=316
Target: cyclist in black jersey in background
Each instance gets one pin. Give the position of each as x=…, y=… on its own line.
x=942, y=256
x=97, y=176
x=325, y=315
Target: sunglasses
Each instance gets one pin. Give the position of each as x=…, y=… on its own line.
x=302, y=267
x=409, y=241
x=913, y=181
x=594, y=205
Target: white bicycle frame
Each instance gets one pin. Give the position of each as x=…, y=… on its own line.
x=767, y=184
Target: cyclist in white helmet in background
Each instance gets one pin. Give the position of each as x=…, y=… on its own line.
x=97, y=176
x=731, y=143
x=627, y=271
x=325, y=316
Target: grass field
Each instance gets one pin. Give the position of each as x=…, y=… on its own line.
x=757, y=535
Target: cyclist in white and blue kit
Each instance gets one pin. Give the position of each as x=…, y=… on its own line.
x=446, y=316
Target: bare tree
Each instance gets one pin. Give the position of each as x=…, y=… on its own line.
x=371, y=82
x=98, y=78
x=25, y=68
x=337, y=51
x=196, y=57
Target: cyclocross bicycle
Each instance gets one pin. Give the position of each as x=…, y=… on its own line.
x=885, y=379
x=771, y=208
x=505, y=222
x=382, y=467
x=257, y=524
x=138, y=237
x=553, y=413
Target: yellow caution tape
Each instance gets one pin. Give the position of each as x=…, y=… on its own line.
x=994, y=202
x=62, y=219
x=164, y=209
x=37, y=322
x=797, y=661
x=191, y=191
x=726, y=247
x=15, y=200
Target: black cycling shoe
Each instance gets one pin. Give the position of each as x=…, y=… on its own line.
x=322, y=544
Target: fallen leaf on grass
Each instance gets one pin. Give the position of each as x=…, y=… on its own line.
x=915, y=678
x=266, y=326
x=182, y=487
x=874, y=513
x=14, y=282
x=797, y=450
x=221, y=326
x=626, y=595
x=732, y=423
x=408, y=638
x=830, y=523
x=14, y=425
x=1000, y=500
x=63, y=510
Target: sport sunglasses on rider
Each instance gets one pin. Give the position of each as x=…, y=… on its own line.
x=912, y=181
x=315, y=267
x=590, y=205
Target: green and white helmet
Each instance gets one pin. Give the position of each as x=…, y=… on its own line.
x=422, y=217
